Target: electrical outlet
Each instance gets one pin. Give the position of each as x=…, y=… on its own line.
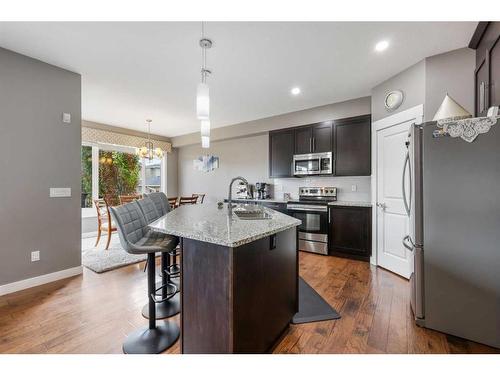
x=35, y=256
x=354, y=187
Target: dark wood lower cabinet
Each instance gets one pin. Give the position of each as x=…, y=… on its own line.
x=238, y=300
x=351, y=232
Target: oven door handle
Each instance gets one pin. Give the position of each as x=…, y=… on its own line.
x=319, y=209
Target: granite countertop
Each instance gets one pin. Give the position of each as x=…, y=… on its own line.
x=350, y=203
x=207, y=223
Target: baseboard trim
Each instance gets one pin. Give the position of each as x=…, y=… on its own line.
x=39, y=280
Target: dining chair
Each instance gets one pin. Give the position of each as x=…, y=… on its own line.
x=104, y=222
x=173, y=201
x=129, y=198
x=199, y=198
x=187, y=200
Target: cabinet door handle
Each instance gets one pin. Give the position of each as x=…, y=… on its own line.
x=314, y=144
x=310, y=144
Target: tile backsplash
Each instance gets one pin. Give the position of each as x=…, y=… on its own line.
x=344, y=187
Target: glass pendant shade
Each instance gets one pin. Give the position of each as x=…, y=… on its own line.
x=205, y=128
x=205, y=142
x=202, y=102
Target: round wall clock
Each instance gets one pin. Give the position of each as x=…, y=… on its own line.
x=393, y=100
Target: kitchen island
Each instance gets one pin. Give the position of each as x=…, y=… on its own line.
x=239, y=278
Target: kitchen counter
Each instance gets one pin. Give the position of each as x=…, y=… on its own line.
x=208, y=223
x=235, y=274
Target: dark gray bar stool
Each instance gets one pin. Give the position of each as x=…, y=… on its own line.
x=162, y=205
x=136, y=238
x=170, y=303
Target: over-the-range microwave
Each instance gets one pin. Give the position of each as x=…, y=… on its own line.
x=312, y=164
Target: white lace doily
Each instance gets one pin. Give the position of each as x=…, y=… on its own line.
x=467, y=129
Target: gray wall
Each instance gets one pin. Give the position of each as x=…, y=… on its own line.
x=428, y=81
x=411, y=81
x=38, y=151
x=172, y=176
x=248, y=155
x=360, y=106
x=452, y=73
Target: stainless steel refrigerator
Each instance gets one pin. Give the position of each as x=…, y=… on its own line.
x=453, y=199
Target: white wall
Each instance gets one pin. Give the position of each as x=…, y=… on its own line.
x=343, y=185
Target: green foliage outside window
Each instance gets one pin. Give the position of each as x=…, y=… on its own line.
x=119, y=174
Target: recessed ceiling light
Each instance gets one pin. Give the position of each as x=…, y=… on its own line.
x=295, y=91
x=381, y=46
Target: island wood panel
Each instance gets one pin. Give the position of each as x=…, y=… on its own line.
x=265, y=291
x=238, y=300
x=93, y=313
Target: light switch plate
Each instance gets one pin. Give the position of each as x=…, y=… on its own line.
x=66, y=118
x=60, y=192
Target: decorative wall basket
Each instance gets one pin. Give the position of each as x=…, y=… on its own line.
x=206, y=163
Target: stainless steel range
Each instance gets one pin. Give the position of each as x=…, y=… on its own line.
x=312, y=210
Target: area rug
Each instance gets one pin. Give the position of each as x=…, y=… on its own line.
x=100, y=260
x=312, y=307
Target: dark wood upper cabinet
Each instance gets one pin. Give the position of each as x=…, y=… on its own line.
x=348, y=139
x=281, y=149
x=314, y=138
x=303, y=140
x=350, y=232
x=486, y=42
x=352, y=145
x=322, y=137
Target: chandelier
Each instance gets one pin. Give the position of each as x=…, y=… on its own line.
x=148, y=151
x=202, y=92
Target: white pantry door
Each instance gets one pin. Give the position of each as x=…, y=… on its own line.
x=392, y=221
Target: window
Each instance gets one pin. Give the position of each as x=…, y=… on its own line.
x=110, y=171
x=86, y=177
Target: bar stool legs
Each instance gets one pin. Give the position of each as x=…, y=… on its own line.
x=171, y=304
x=158, y=337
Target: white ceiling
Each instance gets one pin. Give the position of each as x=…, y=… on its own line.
x=134, y=70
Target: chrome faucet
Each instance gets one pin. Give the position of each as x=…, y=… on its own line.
x=230, y=196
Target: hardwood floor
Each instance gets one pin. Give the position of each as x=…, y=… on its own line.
x=93, y=314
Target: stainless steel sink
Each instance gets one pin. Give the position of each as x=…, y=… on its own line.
x=251, y=212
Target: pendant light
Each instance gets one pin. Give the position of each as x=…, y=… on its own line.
x=148, y=151
x=203, y=92
x=205, y=128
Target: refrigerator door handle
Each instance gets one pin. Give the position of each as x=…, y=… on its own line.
x=408, y=243
x=405, y=201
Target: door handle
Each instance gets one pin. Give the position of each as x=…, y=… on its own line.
x=408, y=243
x=382, y=205
x=403, y=187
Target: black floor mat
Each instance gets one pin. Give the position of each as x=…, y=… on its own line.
x=312, y=307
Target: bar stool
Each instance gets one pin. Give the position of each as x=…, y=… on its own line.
x=170, y=304
x=162, y=204
x=136, y=238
